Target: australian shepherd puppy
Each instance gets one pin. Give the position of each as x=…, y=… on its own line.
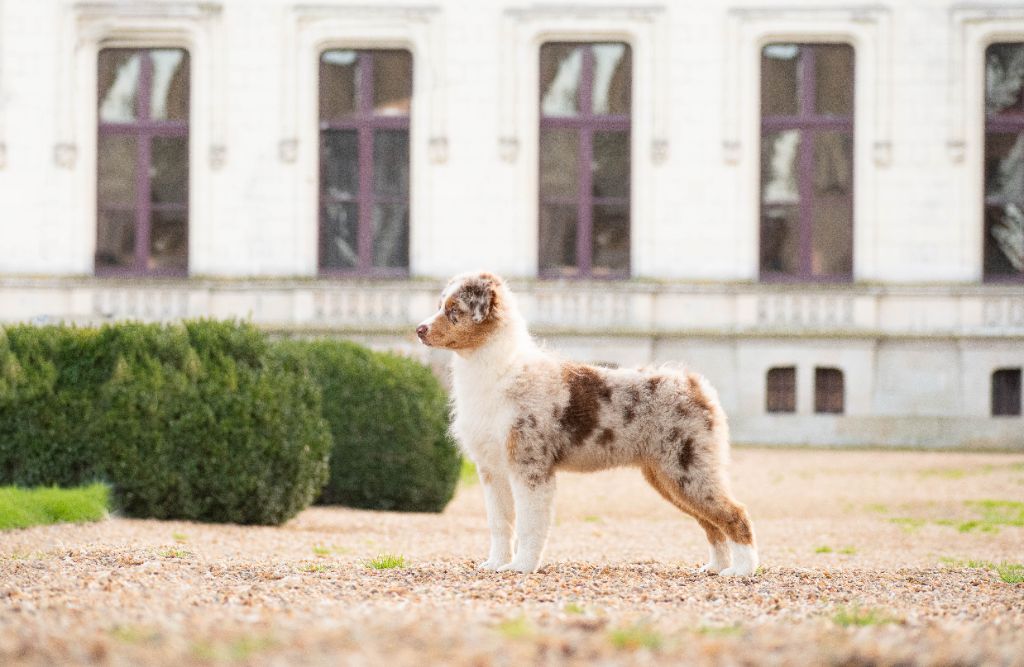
x=522, y=414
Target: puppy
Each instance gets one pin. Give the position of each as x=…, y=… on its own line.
x=522, y=414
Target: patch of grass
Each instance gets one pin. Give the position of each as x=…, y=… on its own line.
x=515, y=628
x=880, y=508
x=174, y=552
x=721, y=630
x=1011, y=573
x=180, y=538
x=825, y=549
x=947, y=473
x=21, y=507
x=236, y=650
x=848, y=551
x=999, y=512
x=908, y=524
x=633, y=637
x=857, y=616
x=467, y=473
x=573, y=608
x=315, y=567
x=386, y=562
x=130, y=634
x=593, y=519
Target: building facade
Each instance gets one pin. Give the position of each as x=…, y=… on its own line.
x=819, y=205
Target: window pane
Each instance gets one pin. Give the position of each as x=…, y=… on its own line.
x=832, y=216
x=779, y=167
x=561, y=66
x=1006, y=392
x=558, y=238
x=780, y=76
x=611, y=164
x=1004, y=78
x=1004, y=240
x=392, y=83
x=169, y=170
x=780, y=390
x=115, y=239
x=610, y=239
x=168, y=239
x=118, y=75
x=1004, y=167
x=833, y=79
x=780, y=240
x=559, y=162
x=339, y=78
x=339, y=244
x=612, y=79
x=339, y=165
x=391, y=235
x=828, y=390
x=117, y=157
x=170, y=82
x=391, y=162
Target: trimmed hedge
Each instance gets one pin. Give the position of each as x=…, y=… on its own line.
x=201, y=421
x=389, y=419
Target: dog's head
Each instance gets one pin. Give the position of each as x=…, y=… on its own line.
x=470, y=311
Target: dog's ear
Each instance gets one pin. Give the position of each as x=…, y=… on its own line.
x=480, y=294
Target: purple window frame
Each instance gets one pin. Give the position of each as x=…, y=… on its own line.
x=364, y=122
x=807, y=121
x=586, y=122
x=780, y=390
x=1004, y=122
x=144, y=130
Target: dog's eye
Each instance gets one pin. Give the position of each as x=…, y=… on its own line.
x=453, y=315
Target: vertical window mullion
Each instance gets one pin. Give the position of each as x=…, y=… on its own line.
x=365, y=102
x=806, y=153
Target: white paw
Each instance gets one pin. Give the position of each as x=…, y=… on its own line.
x=519, y=566
x=491, y=564
x=737, y=571
x=713, y=567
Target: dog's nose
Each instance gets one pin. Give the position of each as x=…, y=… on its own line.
x=421, y=330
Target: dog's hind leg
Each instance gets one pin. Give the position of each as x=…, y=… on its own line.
x=500, y=516
x=718, y=550
x=712, y=502
x=534, y=502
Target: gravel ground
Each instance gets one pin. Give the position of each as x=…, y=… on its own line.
x=879, y=537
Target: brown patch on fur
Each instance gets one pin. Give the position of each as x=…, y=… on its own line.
x=512, y=444
x=686, y=454
x=628, y=414
x=653, y=383
x=486, y=477
x=700, y=399
x=586, y=389
x=606, y=438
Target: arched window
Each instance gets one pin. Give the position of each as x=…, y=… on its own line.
x=807, y=162
x=1006, y=392
x=142, y=180
x=829, y=392
x=365, y=101
x=780, y=389
x=1004, y=162
x=585, y=107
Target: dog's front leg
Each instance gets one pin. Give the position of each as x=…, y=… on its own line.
x=500, y=515
x=534, y=502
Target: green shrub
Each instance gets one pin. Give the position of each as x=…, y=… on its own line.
x=389, y=419
x=199, y=421
x=21, y=508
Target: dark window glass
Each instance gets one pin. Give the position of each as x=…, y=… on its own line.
x=142, y=162
x=807, y=161
x=584, y=171
x=829, y=393
x=1004, y=163
x=365, y=102
x=780, y=389
x=1006, y=392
